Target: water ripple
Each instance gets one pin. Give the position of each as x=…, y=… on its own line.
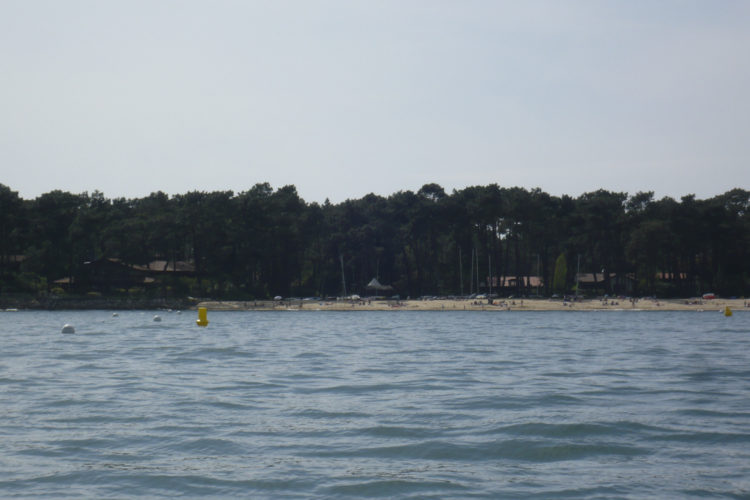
x=376, y=405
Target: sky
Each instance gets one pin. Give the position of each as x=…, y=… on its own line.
x=342, y=98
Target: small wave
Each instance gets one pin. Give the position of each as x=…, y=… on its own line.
x=583, y=492
x=80, y=356
x=42, y=451
x=181, y=359
x=322, y=414
x=312, y=355
x=716, y=373
x=575, y=430
x=57, y=479
x=390, y=431
x=212, y=352
x=391, y=488
x=704, y=437
x=352, y=389
x=514, y=402
x=241, y=387
x=571, y=374
x=208, y=446
x=258, y=385
x=713, y=493
x=86, y=367
x=90, y=447
x=10, y=381
x=702, y=412
x=97, y=419
x=68, y=402
x=195, y=486
x=132, y=482
x=513, y=449
x=229, y=405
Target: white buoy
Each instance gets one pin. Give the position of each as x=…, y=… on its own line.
x=157, y=318
x=67, y=328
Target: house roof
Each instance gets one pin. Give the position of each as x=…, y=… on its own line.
x=589, y=277
x=512, y=281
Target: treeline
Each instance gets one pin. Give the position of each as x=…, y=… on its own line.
x=264, y=242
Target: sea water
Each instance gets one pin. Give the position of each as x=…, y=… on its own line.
x=375, y=405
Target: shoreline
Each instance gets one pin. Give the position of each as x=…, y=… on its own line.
x=499, y=305
x=93, y=304
x=695, y=304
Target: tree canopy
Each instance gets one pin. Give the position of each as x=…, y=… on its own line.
x=263, y=242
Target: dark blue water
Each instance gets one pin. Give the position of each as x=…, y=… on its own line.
x=375, y=405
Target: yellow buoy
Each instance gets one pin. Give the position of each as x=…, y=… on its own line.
x=202, y=319
x=727, y=311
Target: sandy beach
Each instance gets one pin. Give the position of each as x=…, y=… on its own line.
x=626, y=304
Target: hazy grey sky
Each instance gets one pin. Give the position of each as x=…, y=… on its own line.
x=344, y=97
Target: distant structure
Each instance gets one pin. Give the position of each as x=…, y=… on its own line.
x=374, y=286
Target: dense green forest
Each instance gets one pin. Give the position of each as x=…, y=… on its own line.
x=263, y=242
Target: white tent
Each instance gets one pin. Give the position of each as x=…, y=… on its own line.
x=375, y=285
